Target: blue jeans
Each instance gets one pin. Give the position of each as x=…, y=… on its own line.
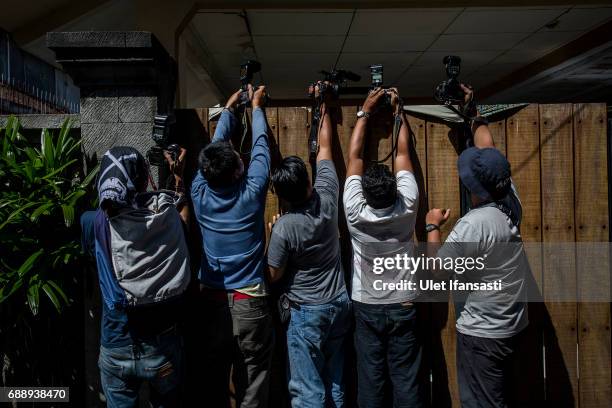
x=157, y=360
x=315, y=343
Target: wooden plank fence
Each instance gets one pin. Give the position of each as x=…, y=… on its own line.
x=558, y=155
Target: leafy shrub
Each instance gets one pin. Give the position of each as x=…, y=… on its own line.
x=41, y=191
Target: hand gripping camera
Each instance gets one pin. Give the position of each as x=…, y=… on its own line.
x=162, y=128
x=449, y=92
x=247, y=70
x=337, y=81
x=376, y=76
x=333, y=83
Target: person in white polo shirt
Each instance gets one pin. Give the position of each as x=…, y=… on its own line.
x=381, y=209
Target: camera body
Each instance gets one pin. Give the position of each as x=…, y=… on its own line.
x=331, y=84
x=247, y=70
x=337, y=79
x=449, y=92
x=162, y=129
x=376, y=80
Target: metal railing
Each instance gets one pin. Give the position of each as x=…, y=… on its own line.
x=19, y=97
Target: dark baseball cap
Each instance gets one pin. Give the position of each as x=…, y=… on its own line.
x=485, y=172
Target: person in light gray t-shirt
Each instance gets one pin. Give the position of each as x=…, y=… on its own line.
x=490, y=322
x=304, y=258
x=488, y=232
x=305, y=239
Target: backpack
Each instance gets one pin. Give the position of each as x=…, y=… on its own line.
x=148, y=251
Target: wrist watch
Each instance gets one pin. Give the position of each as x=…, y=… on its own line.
x=363, y=114
x=479, y=120
x=431, y=227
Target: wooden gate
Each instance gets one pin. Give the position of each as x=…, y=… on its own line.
x=558, y=155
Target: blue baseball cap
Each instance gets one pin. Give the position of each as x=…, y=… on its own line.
x=485, y=172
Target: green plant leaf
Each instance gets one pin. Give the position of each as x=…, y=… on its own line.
x=29, y=263
x=91, y=176
x=73, y=197
x=14, y=287
x=43, y=209
x=33, y=296
x=68, y=211
x=59, y=291
x=59, y=169
x=52, y=296
x=17, y=212
x=47, y=148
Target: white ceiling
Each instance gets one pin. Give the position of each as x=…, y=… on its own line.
x=293, y=45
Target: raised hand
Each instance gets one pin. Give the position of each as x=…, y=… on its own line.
x=372, y=100
x=234, y=99
x=259, y=96
x=437, y=216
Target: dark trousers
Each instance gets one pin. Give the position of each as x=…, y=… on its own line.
x=483, y=368
x=240, y=342
x=388, y=348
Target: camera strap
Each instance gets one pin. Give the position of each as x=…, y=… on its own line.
x=467, y=118
x=397, y=126
x=245, y=131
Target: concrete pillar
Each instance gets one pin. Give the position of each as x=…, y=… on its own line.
x=125, y=79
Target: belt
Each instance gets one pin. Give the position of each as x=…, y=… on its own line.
x=222, y=295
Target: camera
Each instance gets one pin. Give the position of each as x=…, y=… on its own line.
x=247, y=70
x=376, y=80
x=337, y=80
x=449, y=92
x=162, y=127
x=332, y=84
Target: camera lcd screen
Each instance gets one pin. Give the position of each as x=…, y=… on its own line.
x=376, y=73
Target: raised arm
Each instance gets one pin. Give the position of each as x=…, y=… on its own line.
x=325, y=132
x=355, y=159
x=177, y=168
x=259, y=166
x=435, y=218
x=482, y=135
x=403, y=162
x=228, y=122
x=325, y=135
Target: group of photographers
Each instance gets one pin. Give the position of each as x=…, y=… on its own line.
x=139, y=242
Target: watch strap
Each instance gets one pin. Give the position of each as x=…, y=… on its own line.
x=431, y=227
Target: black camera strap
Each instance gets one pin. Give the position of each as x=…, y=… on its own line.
x=313, y=139
x=245, y=131
x=397, y=126
x=463, y=115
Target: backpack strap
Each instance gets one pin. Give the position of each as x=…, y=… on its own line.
x=113, y=295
